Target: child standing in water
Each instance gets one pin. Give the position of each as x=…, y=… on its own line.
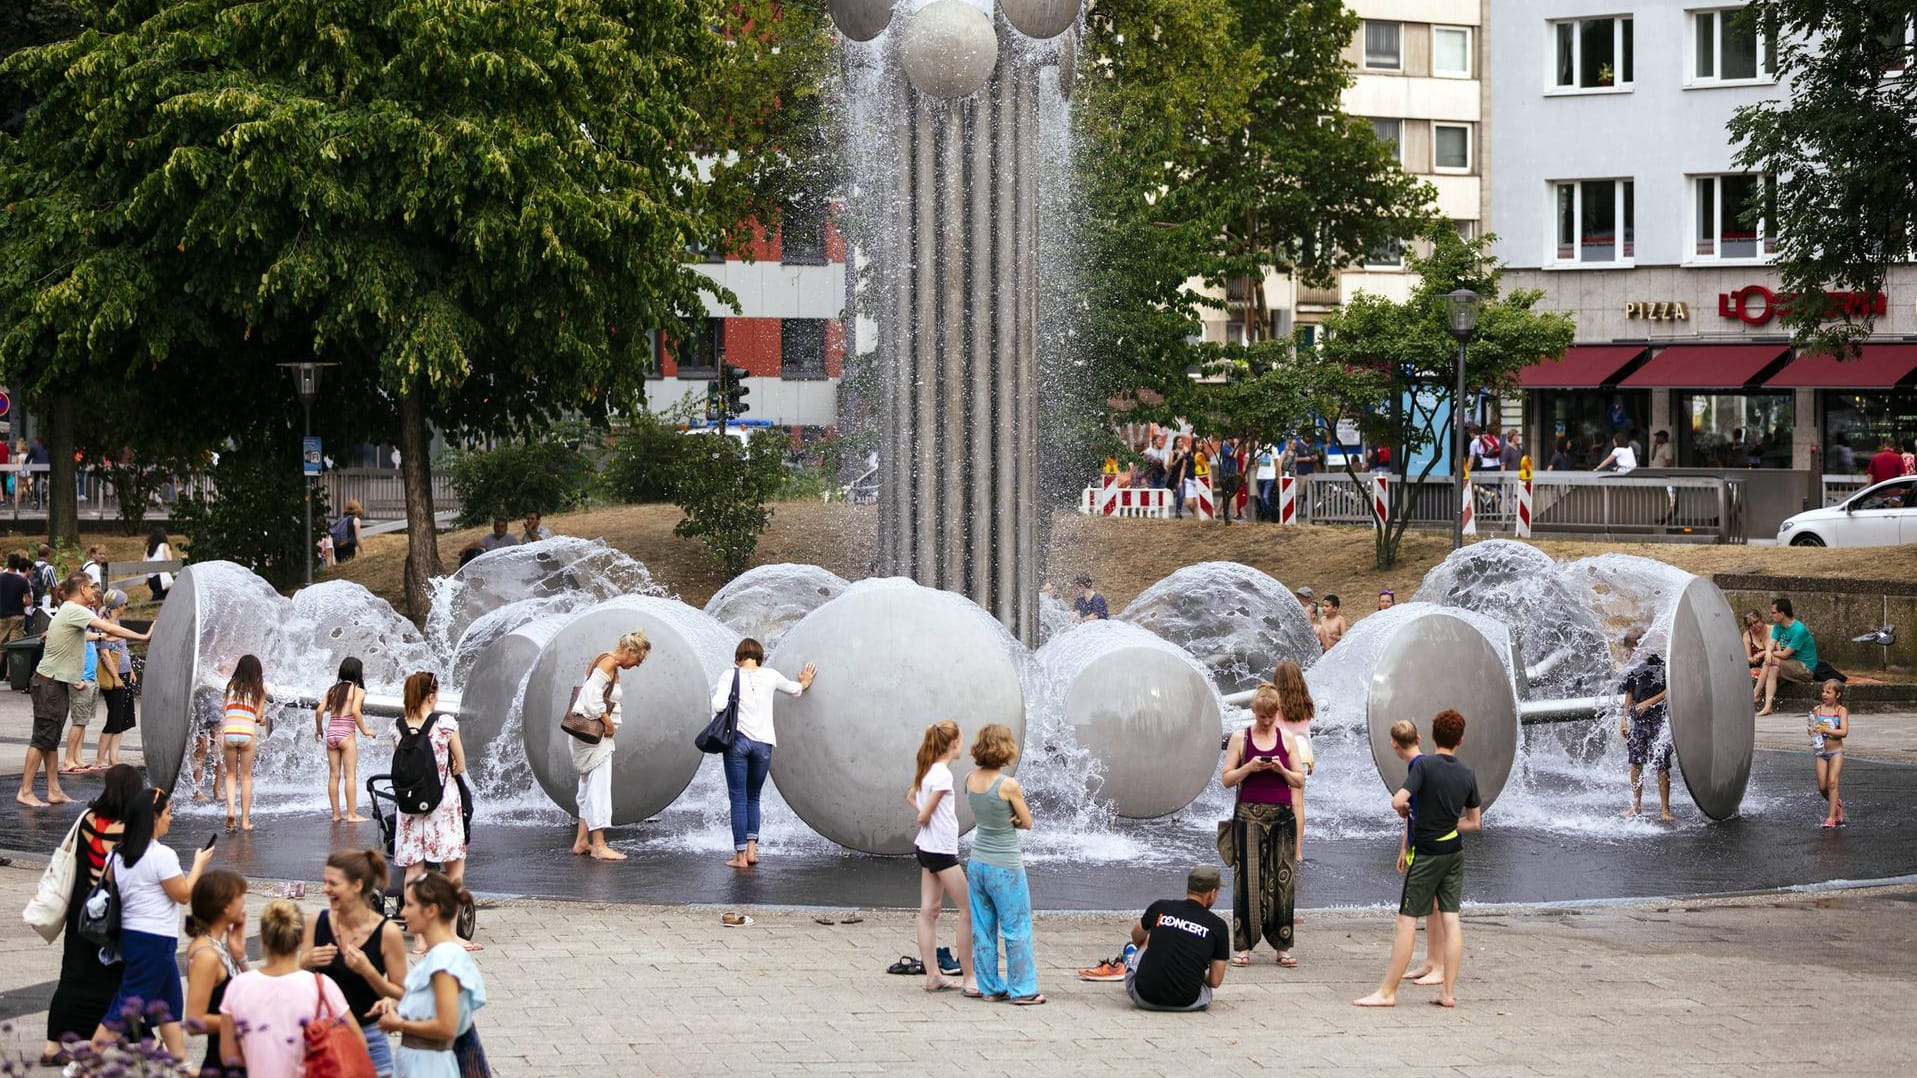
x=940, y=876
x=240, y=732
x=1829, y=726
x=339, y=723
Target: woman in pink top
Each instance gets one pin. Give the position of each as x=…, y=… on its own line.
x=270, y=1006
x=1295, y=712
x=1257, y=842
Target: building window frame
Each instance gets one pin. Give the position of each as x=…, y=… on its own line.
x=1565, y=55
x=802, y=234
x=1469, y=38
x=1566, y=250
x=1390, y=256
x=1705, y=69
x=1710, y=219
x=1394, y=61
x=1396, y=140
x=1470, y=149
x=793, y=333
x=705, y=352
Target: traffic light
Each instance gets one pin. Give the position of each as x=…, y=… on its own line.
x=732, y=389
x=713, y=402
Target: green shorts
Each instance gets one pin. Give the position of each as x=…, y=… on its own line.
x=1433, y=875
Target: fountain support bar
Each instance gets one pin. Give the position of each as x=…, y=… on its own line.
x=1570, y=709
x=379, y=704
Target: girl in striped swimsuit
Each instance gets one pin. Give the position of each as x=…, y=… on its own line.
x=240, y=736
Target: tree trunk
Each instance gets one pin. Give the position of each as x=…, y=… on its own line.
x=416, y=473
x=63, y=509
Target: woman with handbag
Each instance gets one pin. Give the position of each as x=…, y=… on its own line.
x=86, y=984
x=1259, y=841
x=599, y=698
x=749, y=759
x=353, y=942
x=443, y=990
x=116, y=684
x=268, y=1007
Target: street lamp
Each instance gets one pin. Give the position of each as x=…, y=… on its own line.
x=306, y=379
x=1461, y=314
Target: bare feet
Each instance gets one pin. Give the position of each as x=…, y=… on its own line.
x=248, y=826
x=739, y=862
x=27, y=798
x=1766, y=711
x=200, y=798
x=355, y=818
x=1426, y=980
x=1443, y=1002
x=1627, y=814
x=1422, y=971
x=1376, y=999
x=580, y=849
x=336, y=817
x=58, y=797
x=471, y=946
x=607, y=853
x=1666, y=816
x=752, y=860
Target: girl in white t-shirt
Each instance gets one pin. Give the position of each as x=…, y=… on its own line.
x=937, y=843
x=152, y=889
x=1622, y=458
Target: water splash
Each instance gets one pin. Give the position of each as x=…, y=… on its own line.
x=1237, y=621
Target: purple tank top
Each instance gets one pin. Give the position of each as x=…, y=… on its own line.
x=1266, y=787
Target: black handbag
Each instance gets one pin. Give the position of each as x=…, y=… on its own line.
x=719, y=733
x=99, y=920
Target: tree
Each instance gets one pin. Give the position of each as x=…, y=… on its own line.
x=1841, y=148
x=724, y=488
x=1390, y=368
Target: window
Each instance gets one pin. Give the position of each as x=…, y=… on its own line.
x=802, y=234
x=1733, y=217
x=1451, y=52
x=1391, y=131
x=1895, y=42
x=1726, y=47
x=1593, y=54
x=802, y=348
x=1387, y=255
x=706, y=351
x=1735, y=430
x=1595, y=222
x=1451, y=147
x=1467, y=230
x=1235, y=333
x=1383, y=41
x=1307, y=335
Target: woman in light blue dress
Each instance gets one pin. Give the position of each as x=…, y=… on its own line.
x=443, y=989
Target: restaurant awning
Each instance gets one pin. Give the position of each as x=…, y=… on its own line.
x=1583, y=366
x=1707, y=366
x=1877, y=366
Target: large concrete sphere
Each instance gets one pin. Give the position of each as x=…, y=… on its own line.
x=861, y=20
x=1435, y=662
x=1237, y=621
x=1041, y=18
x=1143, y=708
x=892, y=657
x=1712, y=729
x=767, y=600
x=666, y=700
x=493, y=689
x=348, y=620
x=561, y=565
x=948, y=49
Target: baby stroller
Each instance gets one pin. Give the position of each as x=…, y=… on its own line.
x=379, y=790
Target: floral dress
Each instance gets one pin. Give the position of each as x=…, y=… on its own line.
x=439, y=835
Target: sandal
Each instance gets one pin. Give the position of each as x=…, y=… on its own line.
x=736, y=920
x=1242, y=958
x=907, y=966
x=1027, y=1001
x=973, y=993
x=1286, y=960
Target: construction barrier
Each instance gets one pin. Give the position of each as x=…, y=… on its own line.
x=1380, y=500
x=1468, y=509
x=1112, y=501
x=1524, y=509
x=1287, y=499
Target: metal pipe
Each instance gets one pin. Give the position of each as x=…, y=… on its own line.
x=1457, y=453
x=1005, y=462
x=1570, y=709
x=942, y=471
x=977, y=576
x=1550, y=662
x=384, y=705
x=921, y=494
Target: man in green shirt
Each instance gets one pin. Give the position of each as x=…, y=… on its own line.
x=1792, y=654
x=61, y=667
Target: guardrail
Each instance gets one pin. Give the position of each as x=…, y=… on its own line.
x=381, y=492
x=1838, y=487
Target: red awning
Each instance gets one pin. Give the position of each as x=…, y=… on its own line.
x=1706, y=366
x=1879, y=366
x=1582, y=367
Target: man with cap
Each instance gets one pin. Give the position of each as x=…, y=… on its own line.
x=1661, y=455
x=1178, y=952
x=1089, y=606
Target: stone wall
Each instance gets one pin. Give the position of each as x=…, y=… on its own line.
x=1835, y=611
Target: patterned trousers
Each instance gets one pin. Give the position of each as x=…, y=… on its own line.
x=1264, y=883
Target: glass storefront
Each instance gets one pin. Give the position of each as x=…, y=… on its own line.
x=1588, y=417
x=1856, y=422
x=1734, y=430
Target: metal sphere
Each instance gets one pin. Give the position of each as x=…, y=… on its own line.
x=1712, y=729
x=1041, y=18
x=861, y=20
x=892, y=657
x=493, y=691
x=949, y=49
x=1236, y=620
x=1435, y=662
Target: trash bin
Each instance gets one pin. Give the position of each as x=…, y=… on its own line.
x=19, y=660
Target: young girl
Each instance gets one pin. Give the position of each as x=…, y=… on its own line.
x=937, y=843
x=216, y=955
x=1295, y=712
x=1001, y=901
x=442, y=991
x=1259, y=766
x=1829, y=726
x=338, y=723
x=266, y=1007
x=240, y=736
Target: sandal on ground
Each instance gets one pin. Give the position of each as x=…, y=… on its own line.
x=855, y=919
x=1242, y=958
x=947, y=986
x=1285, y=960
x=907, y=966
x=1027, y=1001
x=736, y=920
x=826, y=921
x=973, y=993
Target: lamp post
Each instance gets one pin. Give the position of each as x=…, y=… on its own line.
x=306, y=379
x=1461, y=314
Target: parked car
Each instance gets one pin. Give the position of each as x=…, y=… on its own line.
x=1881, y=515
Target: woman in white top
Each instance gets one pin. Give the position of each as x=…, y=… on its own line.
x=600, y=699
x=1622, y=458
x=750, y=758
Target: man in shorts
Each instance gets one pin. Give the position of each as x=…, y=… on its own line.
x=1447, y=794
x=1792, y=655
x=1642, y=728
x=61, y=666
x=1179, y=950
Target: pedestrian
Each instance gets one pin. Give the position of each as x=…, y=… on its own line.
x=38, y=464
x=534, y=530
x=345, y=532
x=338, y=723
x=83, y=702
x=1404, y=744
x=1309, y=600
x=1886, y=464
x=117, y=680
x=1622, y=459
x=1792, y=655
x=1909, y=456
x=1447, y=794
x=438, y=834
x=1296, y=709
x=1197, y=481
x=1641, y=725
x=152, y=889
x=1661, y=454
x=500, y=536
x=45, y=579
x=355, y=944
x=1229, y=477
x=443, y=990
x=1157, y=459
x=1177, y=472
x=599, y=698
x=242, y=726
x=1829, y=726
x=936, y=846
x=1001, y=900
x=749, y=759
x=1511, y=457
x=87, y=984
x=1561, y=456
x=16, y=599
x=215, y=954
x=1089, y=605
x=267, y=1008
x=1332, y=620
x=158, y=549
x=1266, y=476
x=61, y=665
x=1259, y=840
x=1179, y=947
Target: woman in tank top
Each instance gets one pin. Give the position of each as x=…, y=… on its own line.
x=1001, y=901
x=215, y=955
x=359, y=948
x=1259, y=841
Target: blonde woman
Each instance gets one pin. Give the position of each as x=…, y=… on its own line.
x=265, y=1007
x=600, y=699
x=1295, y=712
x=1259, y=844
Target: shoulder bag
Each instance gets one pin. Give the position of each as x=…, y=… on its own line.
x=46, y=911
x=334, y=1047
x=724, y=728
x=589, y=730
x=99, y=920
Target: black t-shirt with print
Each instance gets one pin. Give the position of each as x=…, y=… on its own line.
x=1183, y=940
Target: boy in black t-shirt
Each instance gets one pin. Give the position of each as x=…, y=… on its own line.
x=1182, y=948
x=1447, y=794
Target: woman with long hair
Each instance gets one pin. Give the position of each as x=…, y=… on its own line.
x=439, y=835
x=152, y=889
x=599, y=698
x=117, y=679
x=1296, y=709
x=1757, y=642
x=158, y=549
x=1001, y=900
x=338, y=723
x=215, y=954
x=1259, y=842
x=937, y=847
x=240, y=731
x=442, y=990
x=356, y=945
x=267, y=1007
x=86, y=984
x=346, y=546
x=749, y=760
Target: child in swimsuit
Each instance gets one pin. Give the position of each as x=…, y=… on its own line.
x=336, y=722
x=1829, y=725
x=240, y=731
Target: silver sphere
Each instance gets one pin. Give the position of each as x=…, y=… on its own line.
x=949, y=49
x=767, y=600
x=1041, y=18
x=892, y=657
x=1143, y=708
x=494, y=690
x=666, y=700
x=1551, y=620
x=861, y=20
x=1435, y=662
x=172, y=669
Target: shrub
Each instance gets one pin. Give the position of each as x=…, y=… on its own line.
x=645, y=454
x=724, y=489
x=547, y=474
x=252, y=513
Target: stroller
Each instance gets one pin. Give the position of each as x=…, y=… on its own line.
x=379, y=790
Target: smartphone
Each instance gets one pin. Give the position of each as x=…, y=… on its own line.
x=210, y=840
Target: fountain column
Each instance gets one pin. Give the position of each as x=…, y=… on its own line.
x=947, y=204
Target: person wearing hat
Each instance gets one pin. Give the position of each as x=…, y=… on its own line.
x=1661, y=455
x=1180, y=948
x=1309, y=600
x=1089, y=606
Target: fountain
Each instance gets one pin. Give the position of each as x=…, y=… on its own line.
x=1239, y=622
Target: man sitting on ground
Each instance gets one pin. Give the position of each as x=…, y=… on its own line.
x=1090, y=605
x=501, y=536
x=1178, y=952
x=1792, y=655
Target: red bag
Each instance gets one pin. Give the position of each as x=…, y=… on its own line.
x=334, y=1047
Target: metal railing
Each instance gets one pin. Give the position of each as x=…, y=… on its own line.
x=380, y=491
x=1839, y=487
x=1562, y=502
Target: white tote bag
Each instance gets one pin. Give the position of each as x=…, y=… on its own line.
x=46, y=912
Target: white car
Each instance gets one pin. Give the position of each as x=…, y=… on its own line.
x=1884, y=514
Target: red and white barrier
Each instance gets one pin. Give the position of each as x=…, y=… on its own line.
x=1469, y=508
x=1380, y=500
x=1206, y=511
x=1524, y=509
x=1287, y=499
x=1114, y=501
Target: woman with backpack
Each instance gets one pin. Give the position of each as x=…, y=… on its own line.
x=426, y=766
x=270, y=1007
x=599, y=698
x=345, y=532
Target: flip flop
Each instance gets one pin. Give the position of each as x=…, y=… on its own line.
x=973, y=993
x=907, y=965
x=855, y=919
x=737, y=920
x=1287, y=961
x=826, y=921
x=1028, y=1001
x=948, y=986
x=1242, y=958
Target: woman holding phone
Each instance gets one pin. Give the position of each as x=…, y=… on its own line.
x=1261, y=841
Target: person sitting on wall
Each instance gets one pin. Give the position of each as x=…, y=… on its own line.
x=1792, y=655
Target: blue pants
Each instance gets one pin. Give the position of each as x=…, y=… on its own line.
x=747, y=763
x=1002, y=907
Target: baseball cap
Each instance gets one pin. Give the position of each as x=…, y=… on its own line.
x=1201, y=879
x=1306, y=591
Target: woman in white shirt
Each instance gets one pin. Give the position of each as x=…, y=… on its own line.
x=600, y=699
x=750, y=758
x=1622, y=458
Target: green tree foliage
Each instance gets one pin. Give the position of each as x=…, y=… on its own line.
x=253, y=514
x=548, y=474
x=725, y=490
x=1842, y=148
x=23, y=24
x=646, y=452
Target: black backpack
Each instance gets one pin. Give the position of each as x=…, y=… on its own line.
x=416, y=785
